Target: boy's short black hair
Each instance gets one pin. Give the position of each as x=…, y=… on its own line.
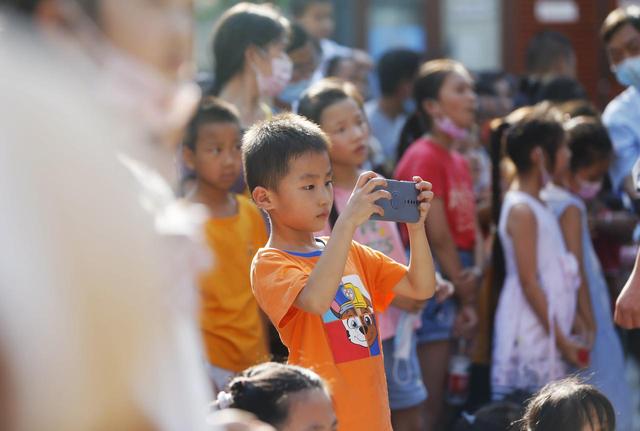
x=299, y=7
x=618, y=19
x=269, y=146
x=397, y=66
x=210, y=110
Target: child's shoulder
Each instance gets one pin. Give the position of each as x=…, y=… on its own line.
x=273, y=266
x=273, y=257
x=268, y=254
x=426, y=153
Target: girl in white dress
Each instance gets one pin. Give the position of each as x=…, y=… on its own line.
x=537, y=303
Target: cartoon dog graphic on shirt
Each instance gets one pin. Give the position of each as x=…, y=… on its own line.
x=356, y=314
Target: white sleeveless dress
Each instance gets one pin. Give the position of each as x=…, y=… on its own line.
x=525, y=357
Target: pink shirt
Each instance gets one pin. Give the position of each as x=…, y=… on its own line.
x=382, y=236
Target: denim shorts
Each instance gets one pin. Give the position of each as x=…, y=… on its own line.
x=437, y=319
x=404, y=379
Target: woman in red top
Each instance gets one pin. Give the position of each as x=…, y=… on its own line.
x=446, y=105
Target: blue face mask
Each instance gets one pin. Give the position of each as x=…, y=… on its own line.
x=293, y=91
x=628, y=72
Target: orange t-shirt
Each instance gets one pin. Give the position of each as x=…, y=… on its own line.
x=343, y=344
x=233, y=331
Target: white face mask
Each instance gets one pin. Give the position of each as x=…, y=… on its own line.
x=281, y=70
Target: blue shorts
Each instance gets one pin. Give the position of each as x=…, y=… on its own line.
x=404, y=379
x=438, y=319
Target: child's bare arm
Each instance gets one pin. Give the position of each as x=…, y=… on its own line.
x=522, y=228
x=571, y=224
x=325, y=278
x=445, y=248
x=420, y=281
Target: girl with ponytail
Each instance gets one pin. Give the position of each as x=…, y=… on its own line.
x=537, y=303
x=446, y=104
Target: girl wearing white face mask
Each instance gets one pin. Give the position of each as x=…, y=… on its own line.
x=591, y=153
x=251, y=65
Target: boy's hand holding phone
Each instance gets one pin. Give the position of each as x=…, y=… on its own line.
x=362, y=203
x=389, y=200
x=425, y=196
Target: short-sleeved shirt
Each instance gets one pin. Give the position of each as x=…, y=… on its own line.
x=449, y=173
x=380, y=235
x=234, y=335
x=342, y=345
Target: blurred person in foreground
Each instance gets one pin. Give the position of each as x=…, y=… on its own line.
x=96, y=320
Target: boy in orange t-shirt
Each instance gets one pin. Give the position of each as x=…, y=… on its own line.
x=322, y=295
x=231, y=322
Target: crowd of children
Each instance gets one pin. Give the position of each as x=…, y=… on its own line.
x=541, y=309
x=309, y=178
x=315, y=316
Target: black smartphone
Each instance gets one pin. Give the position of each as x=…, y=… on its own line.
x=403, y=205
